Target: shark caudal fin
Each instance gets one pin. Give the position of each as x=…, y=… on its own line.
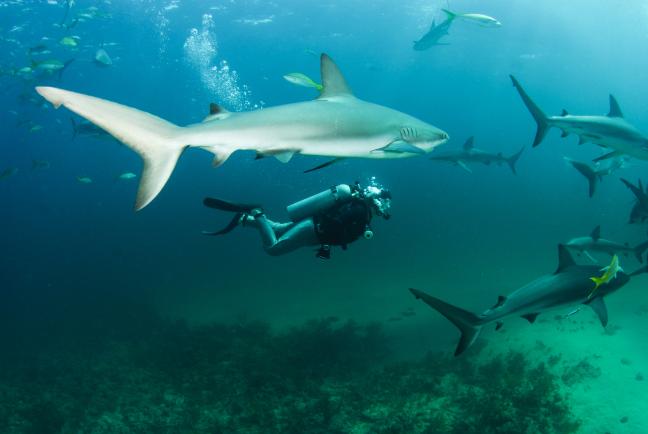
x=589, y=173
x=539, y=116
x=451, y=15
x=513, y=159
x=467, y=322
x=157, y=141
x=639, y=250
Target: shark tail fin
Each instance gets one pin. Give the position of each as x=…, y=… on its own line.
x=451, y=15
x=75, y=129
x=639, y=250
x=513, y=159
x=157, y=141
x=65, y=66
x=588, y=172
x=467, y=322
x=641, y=270
x=541, y=119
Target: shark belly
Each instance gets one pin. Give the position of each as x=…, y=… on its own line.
x=548, y=292
x=613, y=133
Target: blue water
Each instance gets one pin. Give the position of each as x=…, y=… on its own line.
x=71, y=249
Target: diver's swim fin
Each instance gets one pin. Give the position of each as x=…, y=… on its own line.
x=222, y=205
x=227, y=229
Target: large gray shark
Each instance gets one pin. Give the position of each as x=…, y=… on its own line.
x=594, y=243
x=570, y=285
x=432, y=37
x=639, y=212
x=611, y=131
x=470, y=154
x=595, y=174
x=336, y=124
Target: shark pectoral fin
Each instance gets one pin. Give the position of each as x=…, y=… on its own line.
x=400, y=147
x=598, y=305
x=531, y=317
x=323, y=165
x=464, y=166
x=607, y=156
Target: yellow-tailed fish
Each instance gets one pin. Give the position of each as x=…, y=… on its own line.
x=609, y=273
x=302, y=80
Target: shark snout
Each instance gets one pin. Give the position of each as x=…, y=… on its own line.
x=437, y=138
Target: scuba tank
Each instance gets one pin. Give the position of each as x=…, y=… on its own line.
x=321, y=201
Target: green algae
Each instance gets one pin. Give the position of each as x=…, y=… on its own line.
x=324, y=376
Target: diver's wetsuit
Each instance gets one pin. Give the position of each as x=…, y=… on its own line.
x=337, y=226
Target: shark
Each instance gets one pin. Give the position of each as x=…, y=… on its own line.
x=570, y=285
x=594, y=243
x=436, y=32
x=595, y=174
x=336, y=124
x=611, y=131
x=470, y=154
x=639, y=212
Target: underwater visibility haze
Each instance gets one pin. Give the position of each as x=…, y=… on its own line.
x=351, y=216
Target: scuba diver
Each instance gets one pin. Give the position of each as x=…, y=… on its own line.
x=335, y=217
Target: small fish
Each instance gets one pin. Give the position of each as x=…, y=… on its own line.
x=480, y=19
x=302, y=80
x=68, y=41
x=311, y=52
x=127, y=175
x=8, y=173
x=610, y=273
x=573, y=312
x=102, y=58
x=39, y=50
x=40, y=164
x=84, y=179
x=35, y=127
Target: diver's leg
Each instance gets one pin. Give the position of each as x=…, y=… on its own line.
x=301, y=234
x=278, y=228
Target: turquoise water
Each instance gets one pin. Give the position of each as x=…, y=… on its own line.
x=115, y=321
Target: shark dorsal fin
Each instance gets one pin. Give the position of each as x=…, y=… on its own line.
x=470, y=143
x=333, y=81
x=565, y=259
x=500, y=302
x=215, y=109
x=564, y=113
x=596, y=233
x=598, y=306
x=216, y=113
x=615, y=110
